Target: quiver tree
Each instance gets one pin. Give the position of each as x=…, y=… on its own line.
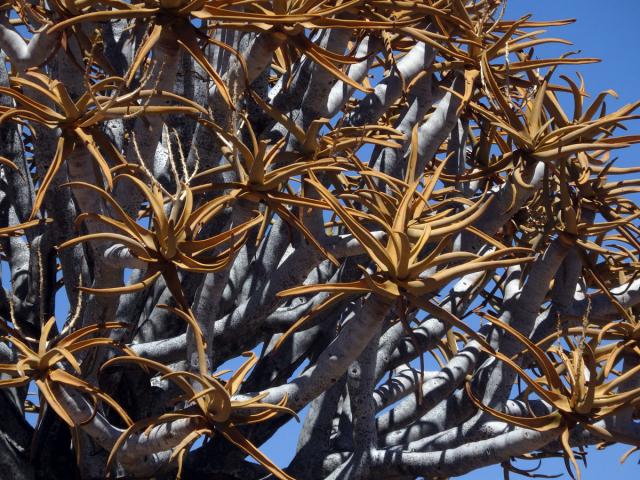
x=410, y=224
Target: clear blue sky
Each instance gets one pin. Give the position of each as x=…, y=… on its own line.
x=608, y=30
x=605, y=29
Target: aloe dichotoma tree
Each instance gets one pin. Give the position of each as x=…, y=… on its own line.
x=391, y=220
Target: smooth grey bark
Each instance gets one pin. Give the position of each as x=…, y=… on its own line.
x=359, y=424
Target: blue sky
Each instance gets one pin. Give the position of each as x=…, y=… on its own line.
x=609, y=31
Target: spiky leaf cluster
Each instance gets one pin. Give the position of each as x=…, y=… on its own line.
x=338, y=190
